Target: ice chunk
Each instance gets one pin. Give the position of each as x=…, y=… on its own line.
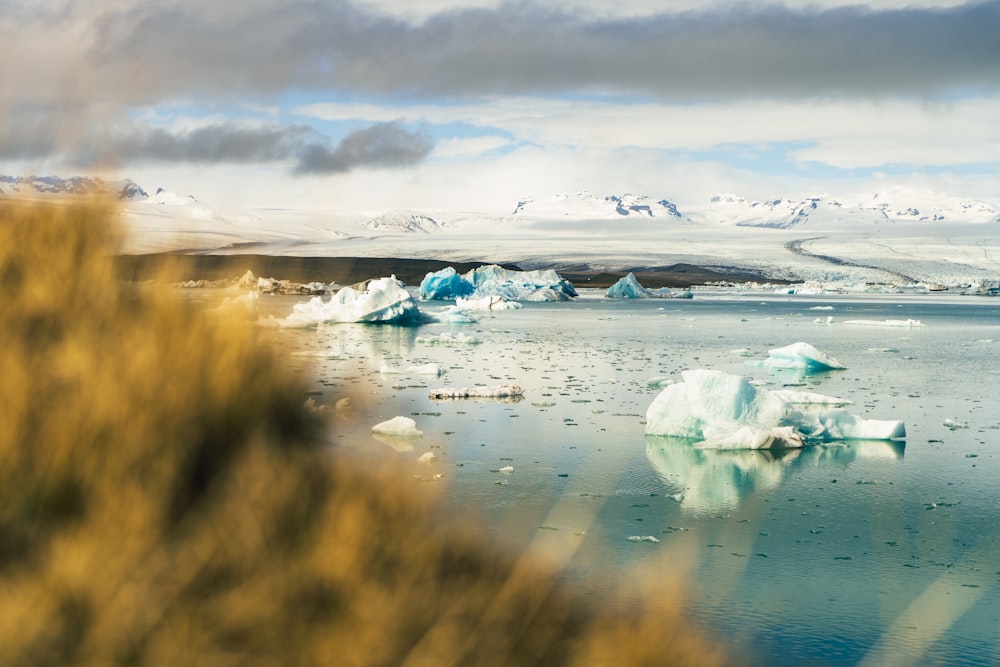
x=497, y=391
x=643, y=538
x=487, y=303
x=445, y=284
x=887, y=323
x=427, y=457
x=426, y=369
x=399, y=427
x=453, y=315
x=725, y=411
x=629, y=288
x=494, y=280
x=383, y=301
x=801, y=356
x=809, y=398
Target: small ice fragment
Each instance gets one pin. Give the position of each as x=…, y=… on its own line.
x=820, y=320
x=801, y=356
x=642, y=538
x=427, y=457
x=954, y=424
x=660, y=381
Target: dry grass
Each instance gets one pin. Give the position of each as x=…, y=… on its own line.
x=165, y=500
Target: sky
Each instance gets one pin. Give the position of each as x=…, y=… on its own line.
x=374, y=105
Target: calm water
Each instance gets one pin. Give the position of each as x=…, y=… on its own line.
x=867, y=553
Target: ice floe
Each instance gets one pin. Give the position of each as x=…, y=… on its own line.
x=724, y=411
x=496, y=391
x=446, y=338
x=886, y=323
x=399, y=427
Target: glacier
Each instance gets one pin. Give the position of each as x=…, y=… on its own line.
x=384, y=301
x=724, y=411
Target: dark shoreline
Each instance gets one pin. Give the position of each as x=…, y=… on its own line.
x=350, y=270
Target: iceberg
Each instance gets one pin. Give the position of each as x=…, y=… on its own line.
x=629, y=288
x=723, y=411
x=398, y=427
x=445, y=284
x=801, y=356
x=495, y=281
x=383, y=301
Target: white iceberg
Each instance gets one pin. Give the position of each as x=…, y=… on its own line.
x=487, y=303
x=723, y=411
x=398, y=427
x=384, y=301
x=629, y=288
x=801, y=356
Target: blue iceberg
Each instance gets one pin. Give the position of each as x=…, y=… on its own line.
x=445, y=284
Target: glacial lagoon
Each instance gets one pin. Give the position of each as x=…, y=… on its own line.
x=865, y=552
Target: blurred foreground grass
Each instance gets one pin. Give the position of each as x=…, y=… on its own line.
x=166, y=499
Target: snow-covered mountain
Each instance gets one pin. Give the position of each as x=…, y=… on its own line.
x=893, y=205
x=585, y=206
x=164, y=201
x=406, y=222
x=125, y=189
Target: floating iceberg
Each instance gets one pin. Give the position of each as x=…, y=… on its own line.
x=498, y=391
x=445, y=284
x=801, y=356
x=724, y=411
x=398, y=427
x=383, y=301
x=629, y=288
x=494, y=280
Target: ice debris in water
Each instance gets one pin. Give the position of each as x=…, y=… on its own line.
x=487, y=303
x=427, y=457
x=887, y=323
x=497, y=391
x=629, y=288
x=954, y=424
x=642, y=538
x=494, y=280
x=400, y=427
x=383, y=300
x=801, y=356
x=724, y=411
x=448, y=339
x=426, y=369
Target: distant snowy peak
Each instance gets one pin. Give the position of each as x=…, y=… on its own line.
x=773, y=213
x=193, y=208
x=125, y=189
x=585, y=206
x=406, y=222
x=896, y=205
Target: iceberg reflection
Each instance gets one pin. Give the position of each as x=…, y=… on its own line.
x=710, y=480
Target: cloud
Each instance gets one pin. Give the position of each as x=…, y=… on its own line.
x=143, y=53
x=383, y=145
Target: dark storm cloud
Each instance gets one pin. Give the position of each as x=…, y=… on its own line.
x=267, y=47
x=383, y=145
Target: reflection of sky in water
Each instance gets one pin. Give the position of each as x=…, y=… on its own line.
x=822, y=556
